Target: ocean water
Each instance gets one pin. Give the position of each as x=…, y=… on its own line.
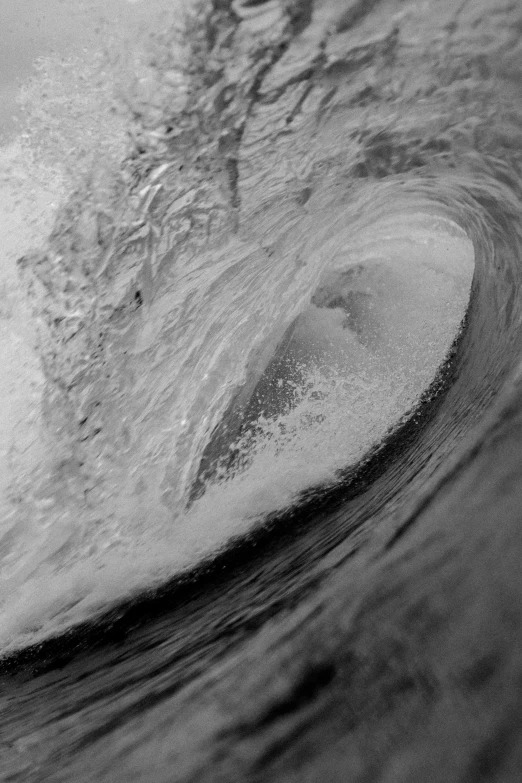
x=260, y=336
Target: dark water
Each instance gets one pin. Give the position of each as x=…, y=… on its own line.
x=372, y=632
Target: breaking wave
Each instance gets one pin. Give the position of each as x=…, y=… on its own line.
x=272, y=315
x=234, y=383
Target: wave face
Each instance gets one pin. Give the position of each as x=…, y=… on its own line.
x=271, y=527
x=199, y=383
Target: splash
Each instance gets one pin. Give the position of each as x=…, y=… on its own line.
x=354, y=361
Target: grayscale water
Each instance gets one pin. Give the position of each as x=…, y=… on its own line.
x=259, y=306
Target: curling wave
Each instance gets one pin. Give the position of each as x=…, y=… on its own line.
x=335, y=232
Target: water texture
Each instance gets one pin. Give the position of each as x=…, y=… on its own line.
x=276, y=535
x=228, y=383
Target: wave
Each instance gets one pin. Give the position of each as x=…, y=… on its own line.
x=218, y=541
x=173, y=359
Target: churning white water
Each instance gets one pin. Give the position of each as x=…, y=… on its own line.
x=287, y=371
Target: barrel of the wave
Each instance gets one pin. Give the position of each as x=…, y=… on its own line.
x=377, y=327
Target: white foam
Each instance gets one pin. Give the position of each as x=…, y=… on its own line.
x=29, y=196
x=69, y=98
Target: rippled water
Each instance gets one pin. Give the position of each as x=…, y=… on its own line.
x=274, y=344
